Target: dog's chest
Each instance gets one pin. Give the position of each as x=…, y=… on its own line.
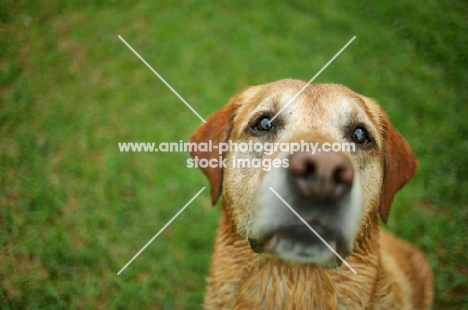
x=271, y=286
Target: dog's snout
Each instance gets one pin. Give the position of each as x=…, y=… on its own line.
x=321, y=176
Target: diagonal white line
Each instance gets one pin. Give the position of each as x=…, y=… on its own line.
x=318, y=236
x=162, y=229
x=315, y=76
x=161, y=78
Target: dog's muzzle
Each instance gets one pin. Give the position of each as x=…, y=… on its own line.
x=318, y=187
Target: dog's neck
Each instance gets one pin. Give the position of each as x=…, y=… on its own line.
x=248, y=280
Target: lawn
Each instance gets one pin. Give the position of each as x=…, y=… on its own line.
x=74, y=210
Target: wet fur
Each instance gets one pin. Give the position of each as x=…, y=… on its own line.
x=391, y=274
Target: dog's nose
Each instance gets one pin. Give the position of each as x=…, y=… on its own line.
x=321, y=176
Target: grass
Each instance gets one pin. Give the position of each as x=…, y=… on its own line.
x=73, y=210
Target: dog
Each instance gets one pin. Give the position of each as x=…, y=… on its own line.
x=265, y=255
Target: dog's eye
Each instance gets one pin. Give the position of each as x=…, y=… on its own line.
x=263, y=124
x=360, y=136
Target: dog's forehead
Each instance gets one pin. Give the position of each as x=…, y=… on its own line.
x=329, y=105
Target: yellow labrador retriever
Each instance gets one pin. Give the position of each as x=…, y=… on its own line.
x=265, y=256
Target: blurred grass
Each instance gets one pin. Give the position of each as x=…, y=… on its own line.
x=73, y=210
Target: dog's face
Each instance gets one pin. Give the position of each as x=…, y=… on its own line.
x=333, y=192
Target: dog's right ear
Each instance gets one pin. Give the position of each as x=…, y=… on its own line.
x=399, y=161
x=217, y=129
x=400, y=166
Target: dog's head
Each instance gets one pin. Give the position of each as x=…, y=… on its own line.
x=354, y=163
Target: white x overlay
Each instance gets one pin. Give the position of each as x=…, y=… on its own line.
x=203, y=120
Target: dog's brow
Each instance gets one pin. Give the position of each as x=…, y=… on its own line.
x=366, y=110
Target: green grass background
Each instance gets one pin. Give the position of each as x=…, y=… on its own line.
x=74, y=210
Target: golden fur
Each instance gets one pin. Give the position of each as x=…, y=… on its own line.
x=391, y=274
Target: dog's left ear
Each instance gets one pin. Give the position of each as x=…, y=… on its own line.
x=217, y=129
x=400, y=165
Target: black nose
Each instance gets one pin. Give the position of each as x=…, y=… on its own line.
x=321, y=176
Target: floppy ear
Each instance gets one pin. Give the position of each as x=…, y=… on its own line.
x=217, y=129
x=400, y=166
